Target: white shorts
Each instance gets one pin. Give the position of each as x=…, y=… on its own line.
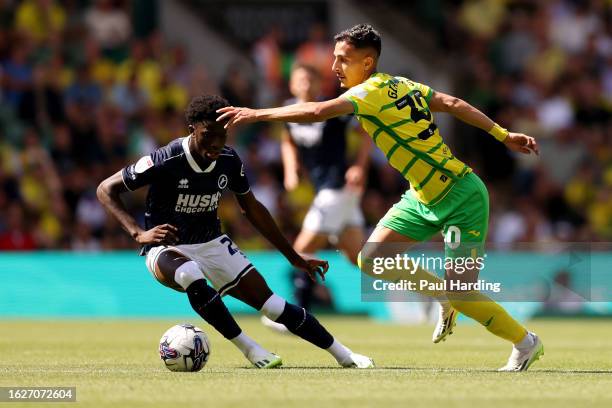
x=333, y=210
x=222, y=263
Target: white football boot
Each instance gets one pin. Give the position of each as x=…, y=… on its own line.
x=265, y=359
x=522, y=358
x=446, y=322
x=355, y=360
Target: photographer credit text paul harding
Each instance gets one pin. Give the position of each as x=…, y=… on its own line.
x=410, y=264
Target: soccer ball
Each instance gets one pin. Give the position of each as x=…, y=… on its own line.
x=184, y=347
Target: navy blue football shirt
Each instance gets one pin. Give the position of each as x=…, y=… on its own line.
x=182, y=193
x=322, y=149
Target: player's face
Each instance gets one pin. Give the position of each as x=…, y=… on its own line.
x=210, y=139
x=304, y=85
x=351, y=65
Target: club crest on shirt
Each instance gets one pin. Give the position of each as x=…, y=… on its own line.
x=222, y=183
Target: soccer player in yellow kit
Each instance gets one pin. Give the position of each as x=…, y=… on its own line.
x=445, y=194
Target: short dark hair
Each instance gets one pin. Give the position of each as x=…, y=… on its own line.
x=361, y=36
x=204, y=109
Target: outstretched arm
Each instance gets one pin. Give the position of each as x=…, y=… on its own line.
x=465, y=112
x=299, y=112
x=261, y=219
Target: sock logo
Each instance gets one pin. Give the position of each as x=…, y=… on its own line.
x=488, y=322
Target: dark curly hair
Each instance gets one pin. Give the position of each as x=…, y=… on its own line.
x=361, y=36
x=204, y=109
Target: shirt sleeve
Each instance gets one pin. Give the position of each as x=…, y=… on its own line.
x=145, y=170
x=362, y=99
x=425, y=90
x=238, y=181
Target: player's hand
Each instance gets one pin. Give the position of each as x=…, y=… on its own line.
x=355, y=178
x=518, y=142
x=236, y=116
x=291, y=180
x=160, y=234
x=313, y=267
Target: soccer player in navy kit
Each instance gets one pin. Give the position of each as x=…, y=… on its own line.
x=185, y=248
x=320, y=150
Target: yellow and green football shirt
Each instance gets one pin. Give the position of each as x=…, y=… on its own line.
x=394, y=111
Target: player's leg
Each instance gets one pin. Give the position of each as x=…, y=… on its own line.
x=387, y=241
x=177, y=271
x=351, y=237
x=405, y=224
x=465, y=234
x=350, y=242
x=527, y=346
x=254, y=291
x=307, y=243
x=325, y=217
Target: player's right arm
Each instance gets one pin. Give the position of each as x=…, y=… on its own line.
x=465, y=112
x=109, y=192
x=291, y=164
x=299, y=112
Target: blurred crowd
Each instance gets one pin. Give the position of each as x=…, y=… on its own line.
x=82, y=95
x=543, y=68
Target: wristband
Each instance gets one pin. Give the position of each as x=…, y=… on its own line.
x=499, y=132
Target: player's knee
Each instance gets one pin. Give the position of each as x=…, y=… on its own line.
x=273, y=307
x=365, y=262
x=188, y=273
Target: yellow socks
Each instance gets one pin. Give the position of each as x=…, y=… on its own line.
x=488, y=313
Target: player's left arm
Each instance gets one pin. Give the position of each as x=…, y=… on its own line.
x=356, y=174
x=262, y=220
x=465, y=112
x=299, y=112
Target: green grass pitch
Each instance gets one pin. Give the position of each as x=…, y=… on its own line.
x=114, y=363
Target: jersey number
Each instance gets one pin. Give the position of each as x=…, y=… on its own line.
x=452, y=238
x=230, y=245
x=418, y=110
